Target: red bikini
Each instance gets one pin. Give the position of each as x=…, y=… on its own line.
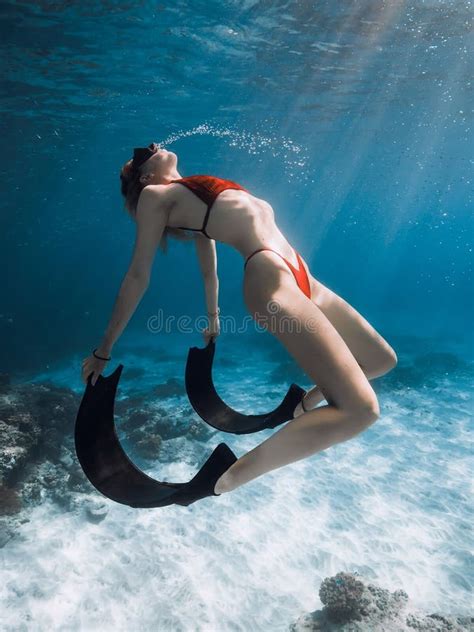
x=207, y=188
x=299, y=273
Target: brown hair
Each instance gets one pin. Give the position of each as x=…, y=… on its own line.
x=131, y=187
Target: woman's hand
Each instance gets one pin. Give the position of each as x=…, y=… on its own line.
x=212, y=330
x=91, y=364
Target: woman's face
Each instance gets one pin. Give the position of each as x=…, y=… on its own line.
x=160, y=163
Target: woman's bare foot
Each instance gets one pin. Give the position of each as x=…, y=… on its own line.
x=310, y=399
x=220, y=486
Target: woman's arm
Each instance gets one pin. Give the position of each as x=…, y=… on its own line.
x=207, y=256
x=151, y=219
x=206, y=251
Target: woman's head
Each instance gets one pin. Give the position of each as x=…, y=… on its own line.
x=149, y=165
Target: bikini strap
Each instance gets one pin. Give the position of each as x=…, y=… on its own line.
x=206, y=219
x=254, y=253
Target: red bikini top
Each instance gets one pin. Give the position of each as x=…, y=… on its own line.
x=207, y=188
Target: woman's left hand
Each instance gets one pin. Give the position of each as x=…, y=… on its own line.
x=91, y=364
x=212, y=331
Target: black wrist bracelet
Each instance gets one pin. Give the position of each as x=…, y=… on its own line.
x=98, y=357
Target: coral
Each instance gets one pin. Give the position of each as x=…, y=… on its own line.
x=342, y=596
x=352, y=604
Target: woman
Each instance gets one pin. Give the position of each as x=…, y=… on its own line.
x=335, y=346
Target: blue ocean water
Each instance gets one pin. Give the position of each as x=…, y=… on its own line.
x=354, y=120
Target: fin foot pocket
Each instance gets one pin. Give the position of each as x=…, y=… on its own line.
x=203, y=483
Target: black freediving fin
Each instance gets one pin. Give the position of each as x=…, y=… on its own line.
x=112, y=473
x=214, y=411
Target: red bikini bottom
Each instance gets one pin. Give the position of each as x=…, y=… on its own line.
x=299, y=273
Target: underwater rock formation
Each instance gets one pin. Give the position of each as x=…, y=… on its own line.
x=352, y=604
x=36, y=445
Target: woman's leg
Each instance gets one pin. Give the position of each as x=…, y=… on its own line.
x=371, y=350
x=314, y=395
x=312, y=432
x=373, y=353
x=321, y=352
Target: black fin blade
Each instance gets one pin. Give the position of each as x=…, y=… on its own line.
x=112, y=473
x=214, y=411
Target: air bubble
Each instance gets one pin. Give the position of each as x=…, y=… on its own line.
x=293, y=157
